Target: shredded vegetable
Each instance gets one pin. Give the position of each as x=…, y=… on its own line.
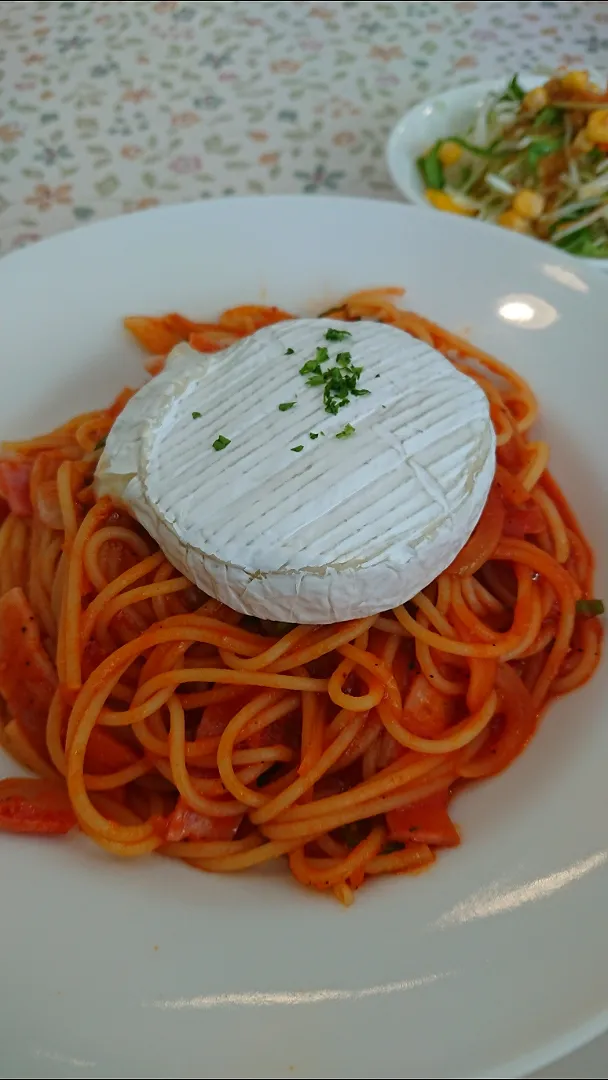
x=535, y=162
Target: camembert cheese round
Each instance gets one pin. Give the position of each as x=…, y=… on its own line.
x=314, y=472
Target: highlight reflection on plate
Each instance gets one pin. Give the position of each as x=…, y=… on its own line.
x=527, y=311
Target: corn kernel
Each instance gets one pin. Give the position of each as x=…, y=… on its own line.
x=449, y=153
x=575, y=80
x=535, y=100
x=597, y=126
x=510, y=220
x=441, y=201
x=528, y=204
x=581, y=144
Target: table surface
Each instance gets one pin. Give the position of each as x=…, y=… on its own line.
x=108, y=107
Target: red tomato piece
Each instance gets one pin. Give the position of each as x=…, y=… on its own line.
x=35, y=806
x=523, y=522
x=426, y=822
x=15, y=485
x=187, y=824
x=106, y=754
x=426, y=712
x=27, y=676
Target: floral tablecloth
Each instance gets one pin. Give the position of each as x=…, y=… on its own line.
x=110, y=107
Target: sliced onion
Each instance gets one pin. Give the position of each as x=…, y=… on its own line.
x=570, y=208
x=593, y=187
x=597, y=215
x=498, y=183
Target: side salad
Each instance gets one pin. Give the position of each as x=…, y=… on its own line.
x=535, y=162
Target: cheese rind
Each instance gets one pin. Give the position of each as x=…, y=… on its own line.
x=341, y=529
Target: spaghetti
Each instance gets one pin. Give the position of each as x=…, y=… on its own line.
x=159, y=720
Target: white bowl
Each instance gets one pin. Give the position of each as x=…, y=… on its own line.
x=489, y=965
x=453, y=111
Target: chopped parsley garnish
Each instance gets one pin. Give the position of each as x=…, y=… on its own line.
x=221, y=443
x=285, y=405
x=312, y=367
x=339, y=382
x=336, y=335
x=296, y=449
x=589, y=608
x=289, y=352
x=346, y=432
x=102, y=442
x=313, y=434
x=196, y=415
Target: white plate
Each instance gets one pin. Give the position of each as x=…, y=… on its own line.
x=451, y=112
x=489, y=965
